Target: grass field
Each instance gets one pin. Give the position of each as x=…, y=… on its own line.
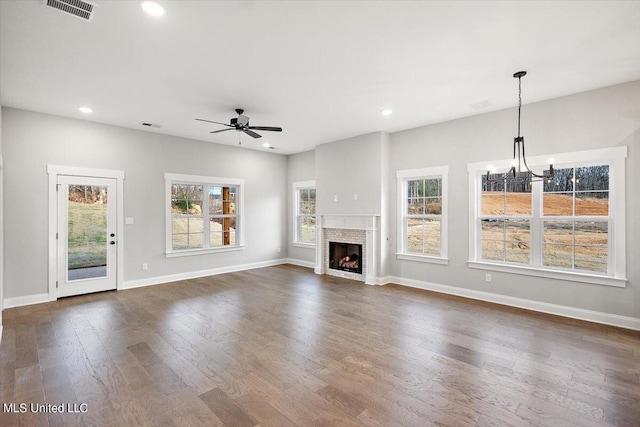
x=187, y=233
x=87, y=235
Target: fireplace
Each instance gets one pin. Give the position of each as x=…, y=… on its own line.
x=338, y=236
x=345, y=257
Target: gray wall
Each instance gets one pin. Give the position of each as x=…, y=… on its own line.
x=365, y=165
x=359, y=166
x=347, y=167
x=601, y=118
x=300, y=167
x=385, y=226
x=32, y=140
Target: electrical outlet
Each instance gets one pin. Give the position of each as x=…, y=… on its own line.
x=487, y=277
x=145, y=267
x=278, y=250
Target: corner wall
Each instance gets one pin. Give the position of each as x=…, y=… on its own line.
x=300, y=167
x=600, y=118
x=32, y=140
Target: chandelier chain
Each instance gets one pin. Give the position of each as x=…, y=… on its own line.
x=519, y=155
x=519, y=102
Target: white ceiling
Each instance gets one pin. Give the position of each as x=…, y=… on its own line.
x=322, y=70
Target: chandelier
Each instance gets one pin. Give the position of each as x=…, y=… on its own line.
x=519, y=169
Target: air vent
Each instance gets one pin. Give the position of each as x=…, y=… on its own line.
x=78, y=8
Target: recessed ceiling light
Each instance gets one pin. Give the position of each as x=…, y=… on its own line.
x=86, y=110
x=266, y=144
x=386, y=112
x=153, y=8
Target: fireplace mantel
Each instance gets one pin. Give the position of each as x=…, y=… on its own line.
x=350, y=221
x=369, y=223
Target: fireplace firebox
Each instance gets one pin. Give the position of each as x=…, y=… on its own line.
x=345, y=257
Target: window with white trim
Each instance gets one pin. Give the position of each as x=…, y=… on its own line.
x=305, y=212
x=570, y=226
x=577, y=219
x=203, y=214
x=422, y=214
x=505, y=218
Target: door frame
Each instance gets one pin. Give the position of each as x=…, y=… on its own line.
x=54, y=171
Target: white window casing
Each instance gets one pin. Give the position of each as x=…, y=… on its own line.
x=403, y=177
x=205, y=182
x=616, y=259
x=298, y=240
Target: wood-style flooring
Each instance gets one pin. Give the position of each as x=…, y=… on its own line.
x=281, y=346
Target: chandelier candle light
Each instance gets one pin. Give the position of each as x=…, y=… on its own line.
x=517, y=172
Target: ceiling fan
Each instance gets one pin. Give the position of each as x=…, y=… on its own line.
x=241, y=124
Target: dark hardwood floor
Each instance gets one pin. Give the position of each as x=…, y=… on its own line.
x=281, y=346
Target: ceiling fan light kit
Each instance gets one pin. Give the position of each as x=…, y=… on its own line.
x=241, y=124
x=519, y=170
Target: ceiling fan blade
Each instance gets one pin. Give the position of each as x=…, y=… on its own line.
x=270, y=128
x=221, y=130
x=218, y=123
x=251, y=133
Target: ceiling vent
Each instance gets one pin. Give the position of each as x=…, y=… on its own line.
x=78, y=8
x=151, y=125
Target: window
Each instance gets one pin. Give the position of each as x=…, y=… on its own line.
x=569, y=227
x=576, y=219
x=203, y=214
x=422, y=214
x=305, y=212
x=505, y=221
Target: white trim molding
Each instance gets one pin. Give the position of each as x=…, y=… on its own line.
x=423, y=258
x=175, y=178
x=158, y=280
x=542, y=307
x=571, y=276
x=54, y=171
x=303, y=245
x=615, y=275
x=402, y=177
x=26, y=300
x=369, y=223
x=296, y=187
x=301, y=263
x=150, y=281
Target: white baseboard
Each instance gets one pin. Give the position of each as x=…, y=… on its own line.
x=150, y=281
x=301, y=263
x=377, y=281
x=25, y=300
x=543, y=307
x=0, y=334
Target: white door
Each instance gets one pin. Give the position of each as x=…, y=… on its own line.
x=86, y=237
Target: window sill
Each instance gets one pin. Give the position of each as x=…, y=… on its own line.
x=192, y=252
x=304, y=245
x=423, y=258
x=551, y=274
